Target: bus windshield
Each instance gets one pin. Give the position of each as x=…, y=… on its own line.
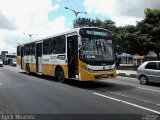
x=98, y=50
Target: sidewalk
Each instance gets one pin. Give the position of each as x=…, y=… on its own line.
x=127, y=73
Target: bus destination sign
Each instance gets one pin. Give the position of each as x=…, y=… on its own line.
x=96, y=33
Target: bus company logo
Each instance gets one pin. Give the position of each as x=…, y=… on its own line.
x=27, y=60
x=31, y=59
x=53, y=57
x=45, y=60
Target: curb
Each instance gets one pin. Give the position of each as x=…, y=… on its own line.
x=124, y=75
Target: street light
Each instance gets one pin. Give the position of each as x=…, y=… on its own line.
x=75, y=12
x=30, y=35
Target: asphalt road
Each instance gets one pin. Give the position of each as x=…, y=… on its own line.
x=24, y=94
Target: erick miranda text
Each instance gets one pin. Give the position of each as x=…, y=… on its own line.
x=17, y=117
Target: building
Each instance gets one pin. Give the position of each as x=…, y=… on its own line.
x=3, y=53
x=125, y=60
x=138, y=60
x=151, y=56
x=134, y=60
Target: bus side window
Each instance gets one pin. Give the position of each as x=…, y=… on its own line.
x=18, y=51
x=54, y=45
x=27, y=49
x=32, y=49
x=47, y=46
x=60, y=45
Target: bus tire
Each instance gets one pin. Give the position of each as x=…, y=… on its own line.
x=27, y=69
x=60, y=75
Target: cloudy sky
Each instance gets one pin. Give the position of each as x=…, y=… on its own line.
x=46, y=17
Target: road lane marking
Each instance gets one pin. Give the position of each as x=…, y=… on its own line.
x=132, y=104
x=149, y=89
x=131, y=97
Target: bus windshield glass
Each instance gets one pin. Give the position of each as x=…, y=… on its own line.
x=96, y=46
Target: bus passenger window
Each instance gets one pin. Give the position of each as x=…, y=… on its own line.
x=60, y=45
x=47, y=46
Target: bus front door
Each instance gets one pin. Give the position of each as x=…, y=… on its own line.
x=22, y=58
x=39, y=57
x=72, y=55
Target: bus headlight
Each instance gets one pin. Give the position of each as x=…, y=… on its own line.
x=87, y=69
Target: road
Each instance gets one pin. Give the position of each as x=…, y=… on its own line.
x=21, y=94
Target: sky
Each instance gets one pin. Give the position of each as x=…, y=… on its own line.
x=42, y=18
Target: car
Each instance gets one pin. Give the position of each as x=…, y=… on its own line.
x=148, y=72
x=1, y=63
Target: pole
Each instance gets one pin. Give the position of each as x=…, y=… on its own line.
x=30, y=35
x=75, y=13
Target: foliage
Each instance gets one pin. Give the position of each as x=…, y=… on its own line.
x=150, y=30
x=88, y=22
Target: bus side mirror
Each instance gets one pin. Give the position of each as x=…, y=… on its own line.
x=80, y=47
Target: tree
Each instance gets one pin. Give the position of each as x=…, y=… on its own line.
x=130, y=40
x=150, y=30
x=88, y=22
x=84, y=22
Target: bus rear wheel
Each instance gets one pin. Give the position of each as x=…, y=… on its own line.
x=60, y=75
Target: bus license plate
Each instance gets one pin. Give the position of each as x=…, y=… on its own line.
x=105, y=76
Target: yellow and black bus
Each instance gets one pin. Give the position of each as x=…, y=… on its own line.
x=83, y=54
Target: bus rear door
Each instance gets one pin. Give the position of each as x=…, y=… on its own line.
x=22, y=58
x=39, y=57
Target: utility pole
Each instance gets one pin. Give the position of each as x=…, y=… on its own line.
x=75, y=13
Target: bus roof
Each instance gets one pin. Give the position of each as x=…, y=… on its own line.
x=10, y=54
x=63, y=33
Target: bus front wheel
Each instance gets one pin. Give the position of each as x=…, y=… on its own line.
x=60, y=75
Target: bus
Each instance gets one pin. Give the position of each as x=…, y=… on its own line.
x=83, y=54
x=10, y=59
